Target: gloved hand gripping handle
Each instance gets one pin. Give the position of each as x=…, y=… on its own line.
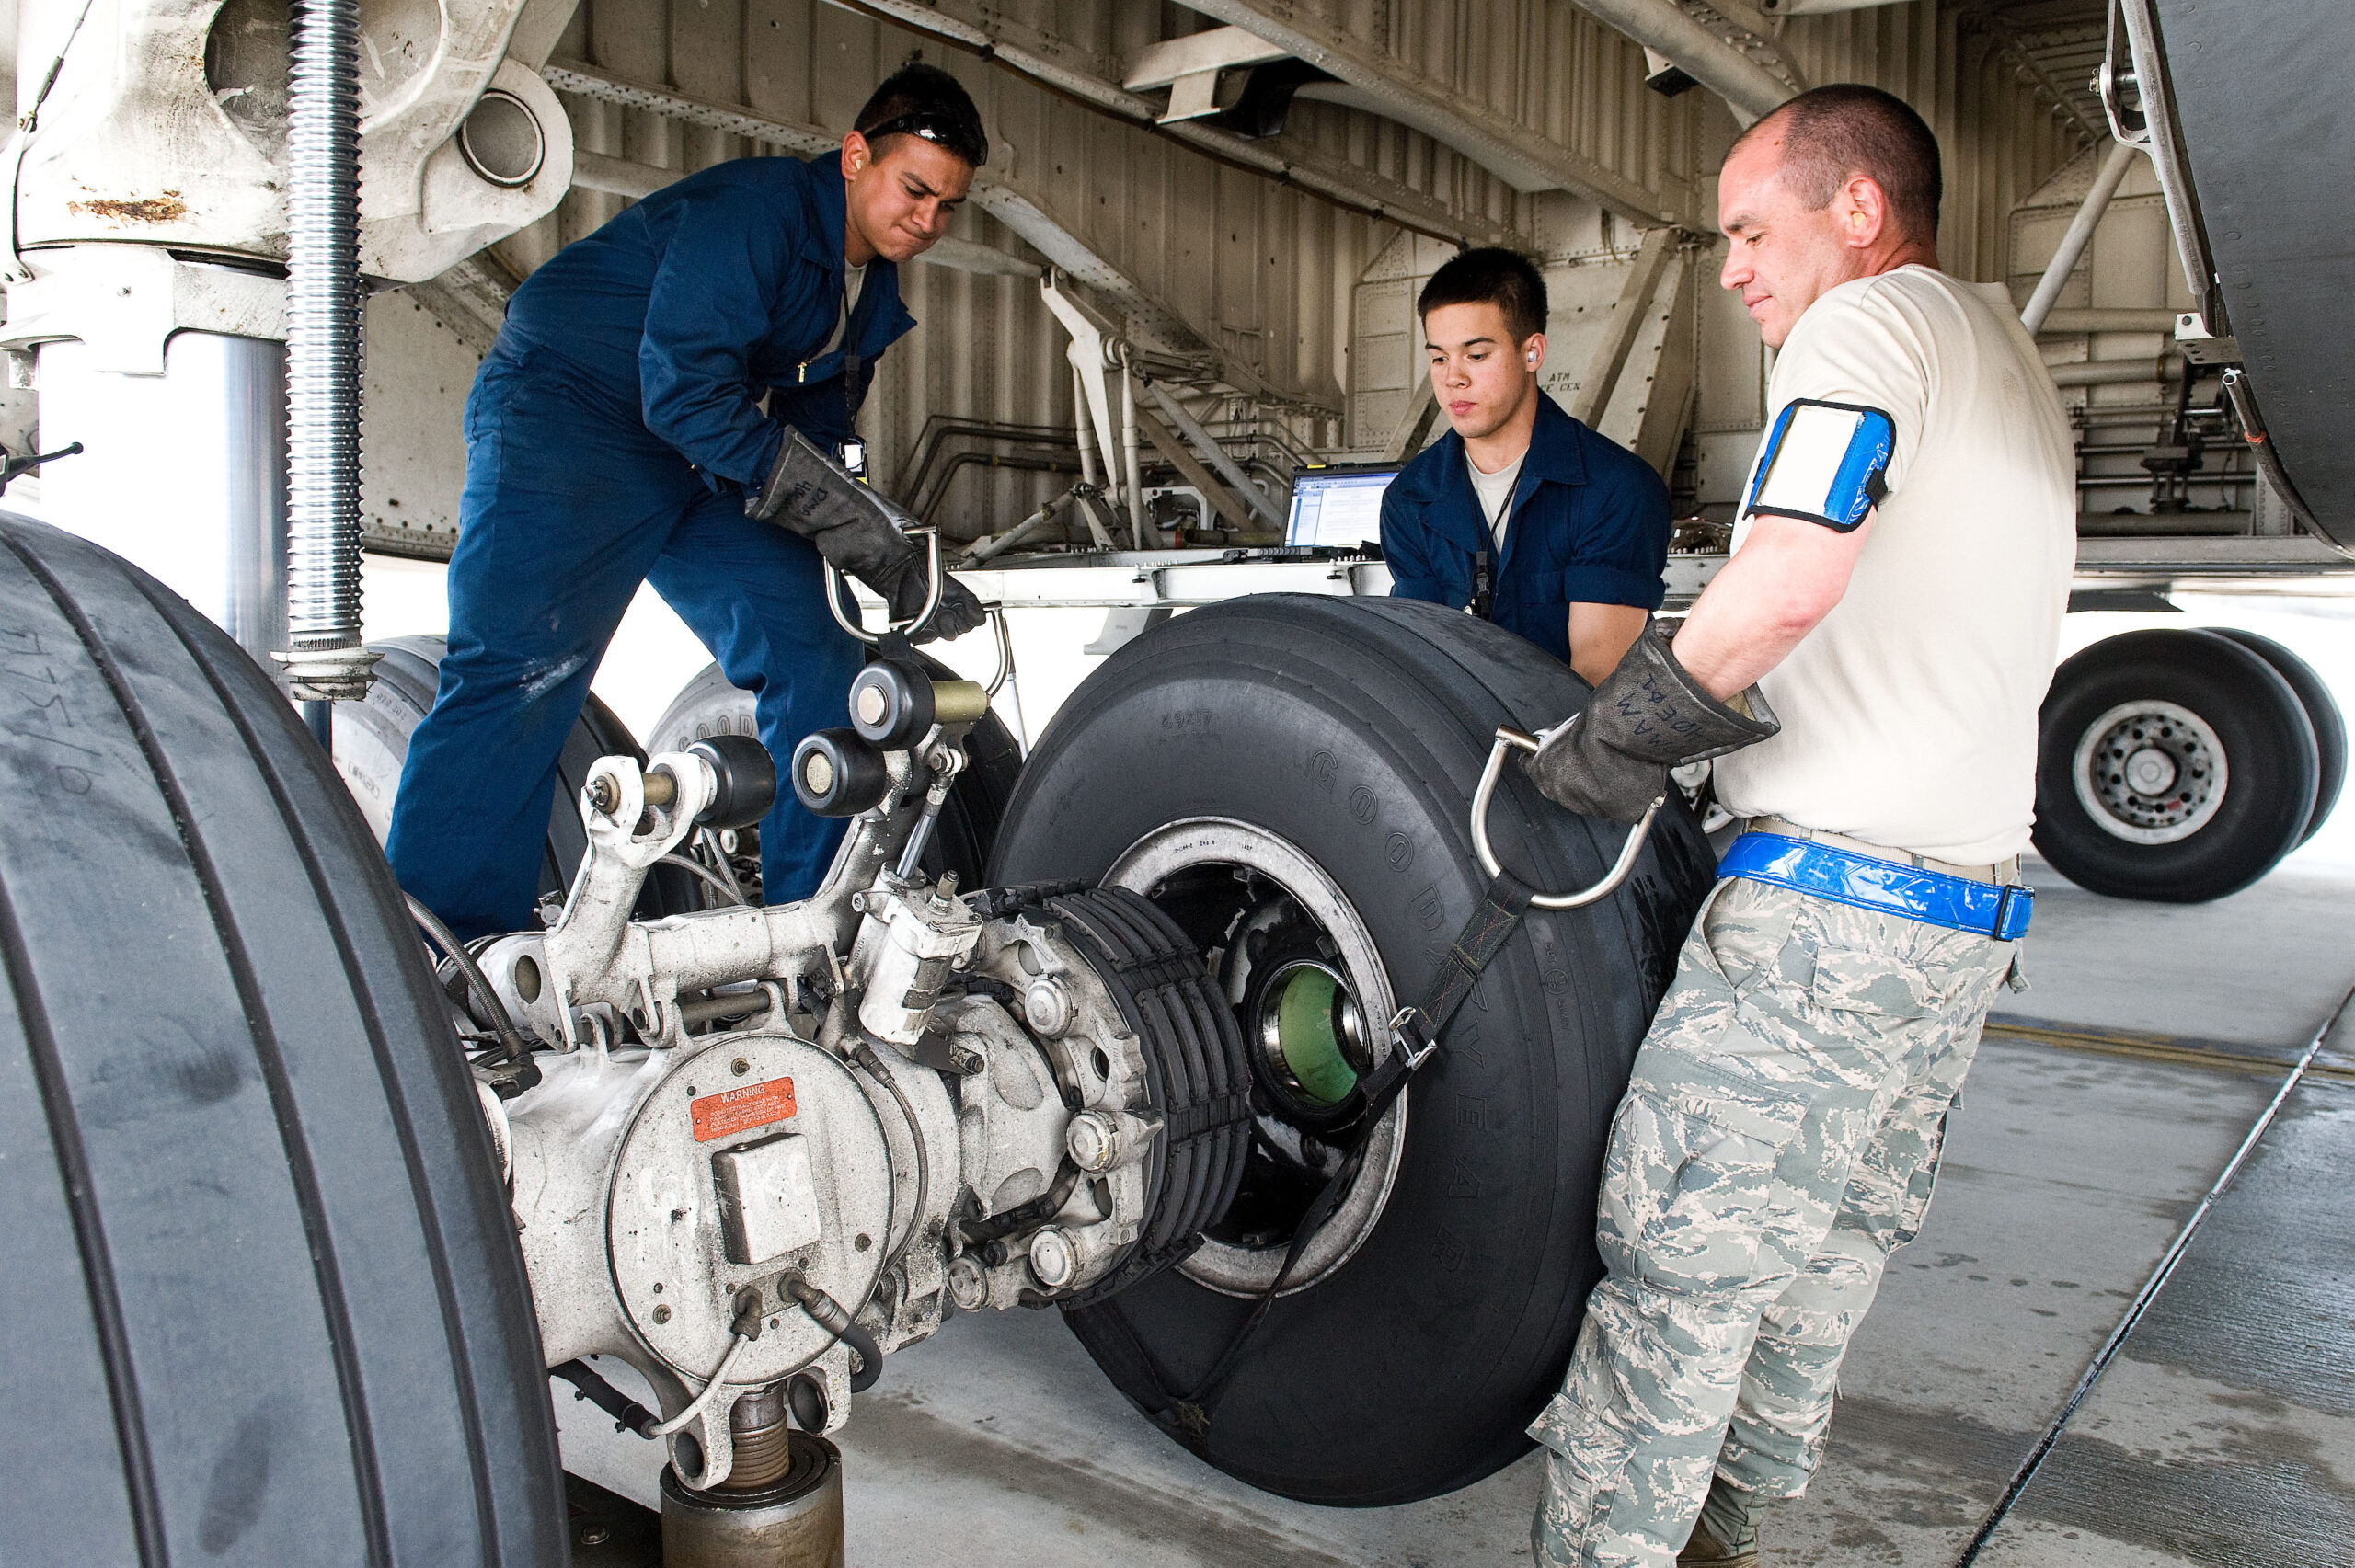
x=913, y=629
x=859, y=532
x=1509, y=742
x=1647, y=716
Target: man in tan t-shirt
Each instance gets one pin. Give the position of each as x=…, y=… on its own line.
x=1867, y=668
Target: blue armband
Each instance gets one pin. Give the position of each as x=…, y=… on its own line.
x=1823, y=461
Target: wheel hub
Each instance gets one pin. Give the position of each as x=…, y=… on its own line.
x=2150, y=773
x=1307, y=984
x=1311, y=1033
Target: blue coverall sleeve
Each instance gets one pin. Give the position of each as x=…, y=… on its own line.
x=1406, y=549
x=727, y=260
x=1621, y=548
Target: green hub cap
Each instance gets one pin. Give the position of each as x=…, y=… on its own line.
x=1310, y=1027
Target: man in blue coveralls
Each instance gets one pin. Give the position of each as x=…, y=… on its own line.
x=1519, y=513
x=666, y=403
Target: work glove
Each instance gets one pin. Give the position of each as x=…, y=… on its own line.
x=1647, y=717
x=860, y=532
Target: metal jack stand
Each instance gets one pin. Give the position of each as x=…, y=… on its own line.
x=781, y=1507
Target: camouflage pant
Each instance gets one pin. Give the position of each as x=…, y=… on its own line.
x=1778, y=1138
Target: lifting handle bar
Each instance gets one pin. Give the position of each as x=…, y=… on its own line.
x=931, y=598
x=1508, y=740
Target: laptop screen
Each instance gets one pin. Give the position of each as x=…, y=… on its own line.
x=1338, y=506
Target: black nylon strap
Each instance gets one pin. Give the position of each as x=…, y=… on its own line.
x=1474, y=949
x=1416, y=1037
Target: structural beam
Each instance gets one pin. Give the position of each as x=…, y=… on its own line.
x=1016, y=209
x=1423, y=407
x=1221, y=48
x=2080, y=233
x=1610, y=356
x=1233, y=513
x=1764, y=37
x=2114, y=319
x=1064, y=69
x=1748, y=87
x=1516, y=154
x=470, y=299
x=2009, y=43
x=1214, y=453
x=621, y=177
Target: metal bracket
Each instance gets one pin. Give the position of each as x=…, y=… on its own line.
x=1510, y=741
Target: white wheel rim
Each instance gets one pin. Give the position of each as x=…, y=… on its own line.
x=2150, y=773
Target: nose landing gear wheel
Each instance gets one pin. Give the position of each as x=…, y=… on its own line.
x=1289, y=780
x=2322, y=712
x=2172, y=765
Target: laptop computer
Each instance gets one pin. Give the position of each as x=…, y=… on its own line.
x=1338, y=507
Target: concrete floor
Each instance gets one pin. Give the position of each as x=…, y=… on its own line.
x=2224, y=1434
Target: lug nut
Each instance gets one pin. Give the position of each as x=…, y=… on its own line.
x=1047, y=1005
x=1092, y=1141
x=1099, y=1141
x=968, y=1286
x=1054, y=1258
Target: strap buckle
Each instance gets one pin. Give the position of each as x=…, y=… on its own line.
x=1420, y=1047
x=2013, y=911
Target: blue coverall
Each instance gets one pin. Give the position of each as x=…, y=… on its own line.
x=610, y=436
x=1590, y=526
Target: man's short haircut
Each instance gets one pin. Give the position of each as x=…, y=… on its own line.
x=1845, y=128
x=937, y=103
x=1489, y=275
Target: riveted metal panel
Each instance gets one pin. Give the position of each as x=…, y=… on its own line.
x=1291, y=289
x=1975, y=84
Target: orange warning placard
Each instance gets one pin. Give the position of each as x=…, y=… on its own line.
x=740, y=1110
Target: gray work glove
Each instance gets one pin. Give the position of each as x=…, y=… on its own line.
x=860, y=532
x=1647, y=717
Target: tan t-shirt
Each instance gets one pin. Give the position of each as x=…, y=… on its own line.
x=1908, y=715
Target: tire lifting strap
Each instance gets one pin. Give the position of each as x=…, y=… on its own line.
x=1415, y=1040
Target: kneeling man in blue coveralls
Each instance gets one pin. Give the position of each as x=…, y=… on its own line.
x=667, y=403
x=1519, y=513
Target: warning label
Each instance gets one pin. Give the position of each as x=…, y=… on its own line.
x=740, y=1110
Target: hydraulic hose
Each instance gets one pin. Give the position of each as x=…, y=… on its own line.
x=325, y=658
x=864, y=1054
x=726, y=889
x=832, y=1316
x=501, y=1022
x=627, y=1414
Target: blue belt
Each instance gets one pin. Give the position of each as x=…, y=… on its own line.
x=1890, y=887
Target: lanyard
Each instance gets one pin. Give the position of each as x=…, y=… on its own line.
x=1484, y=573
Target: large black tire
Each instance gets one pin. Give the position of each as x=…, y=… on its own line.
x=968, y=826
x=372, y=743
x=263, y=1300
x=1356, y=730
x=2127, y=696
x=2322, y=712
